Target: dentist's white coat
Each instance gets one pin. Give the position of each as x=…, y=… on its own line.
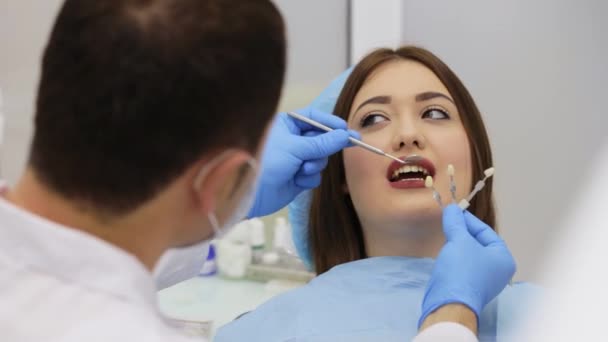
x=59, y=284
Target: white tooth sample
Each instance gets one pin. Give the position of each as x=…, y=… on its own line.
x=428, y=182
x=464, y=204
x=489, y=172
x=451, y=170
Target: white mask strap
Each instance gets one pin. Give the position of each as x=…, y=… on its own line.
x=217, y=231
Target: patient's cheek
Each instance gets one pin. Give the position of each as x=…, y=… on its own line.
x=455, y=150
x=358, y=164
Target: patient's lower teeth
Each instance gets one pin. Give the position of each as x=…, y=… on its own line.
x=418, y=175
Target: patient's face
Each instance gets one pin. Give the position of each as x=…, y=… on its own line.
x=409, y=116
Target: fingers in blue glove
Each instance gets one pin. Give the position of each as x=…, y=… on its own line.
x=310, y=134
x=483, y=233
x=354, y=134
x=308, y=181
x=454, y=225
x=322, y=145
x=312, y=167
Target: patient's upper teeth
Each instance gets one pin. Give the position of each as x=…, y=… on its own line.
x=410, y=169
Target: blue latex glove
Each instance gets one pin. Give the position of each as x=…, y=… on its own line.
x=300, y=207
x=472, y=268
x=294, y=156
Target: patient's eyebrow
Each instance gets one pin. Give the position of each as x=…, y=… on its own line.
x=376, y=99
x=428, y=95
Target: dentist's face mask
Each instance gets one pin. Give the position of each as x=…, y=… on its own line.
x=179, y=264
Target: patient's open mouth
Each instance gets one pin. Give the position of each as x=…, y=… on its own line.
x=411, y=174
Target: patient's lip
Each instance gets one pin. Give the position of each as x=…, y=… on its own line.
x=409, y=183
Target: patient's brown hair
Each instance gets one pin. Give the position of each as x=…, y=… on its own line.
x=335, y=232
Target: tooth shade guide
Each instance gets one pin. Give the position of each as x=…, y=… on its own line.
x=451, y=170
x=464, y=204
x=428, y=182
x=478, y=187
x=489, y=172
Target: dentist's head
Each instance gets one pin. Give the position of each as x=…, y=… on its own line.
x=150, y=117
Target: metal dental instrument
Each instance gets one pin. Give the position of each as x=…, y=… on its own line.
x=352, y=140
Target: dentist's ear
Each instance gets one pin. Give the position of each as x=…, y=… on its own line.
x=216, y=177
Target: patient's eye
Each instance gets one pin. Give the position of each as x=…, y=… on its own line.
x=435, y=113
x=372, y=119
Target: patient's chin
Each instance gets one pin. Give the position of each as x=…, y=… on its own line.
x=420, y=210
x=394, y=212
x=422, y=217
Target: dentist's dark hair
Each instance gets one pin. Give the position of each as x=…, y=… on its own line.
x=133, y=92
x=335, y=233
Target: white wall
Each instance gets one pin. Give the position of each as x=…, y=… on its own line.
x=538, y=72
x=24, y=28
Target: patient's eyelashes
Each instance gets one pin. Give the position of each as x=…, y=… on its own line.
x=430, y=113
x=435, y=113
x=372, y=119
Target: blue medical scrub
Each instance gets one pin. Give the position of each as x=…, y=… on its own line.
x=374, y=299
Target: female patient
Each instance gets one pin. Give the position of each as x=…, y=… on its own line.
x=373, y=228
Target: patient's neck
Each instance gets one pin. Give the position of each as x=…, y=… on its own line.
x=423, y=238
